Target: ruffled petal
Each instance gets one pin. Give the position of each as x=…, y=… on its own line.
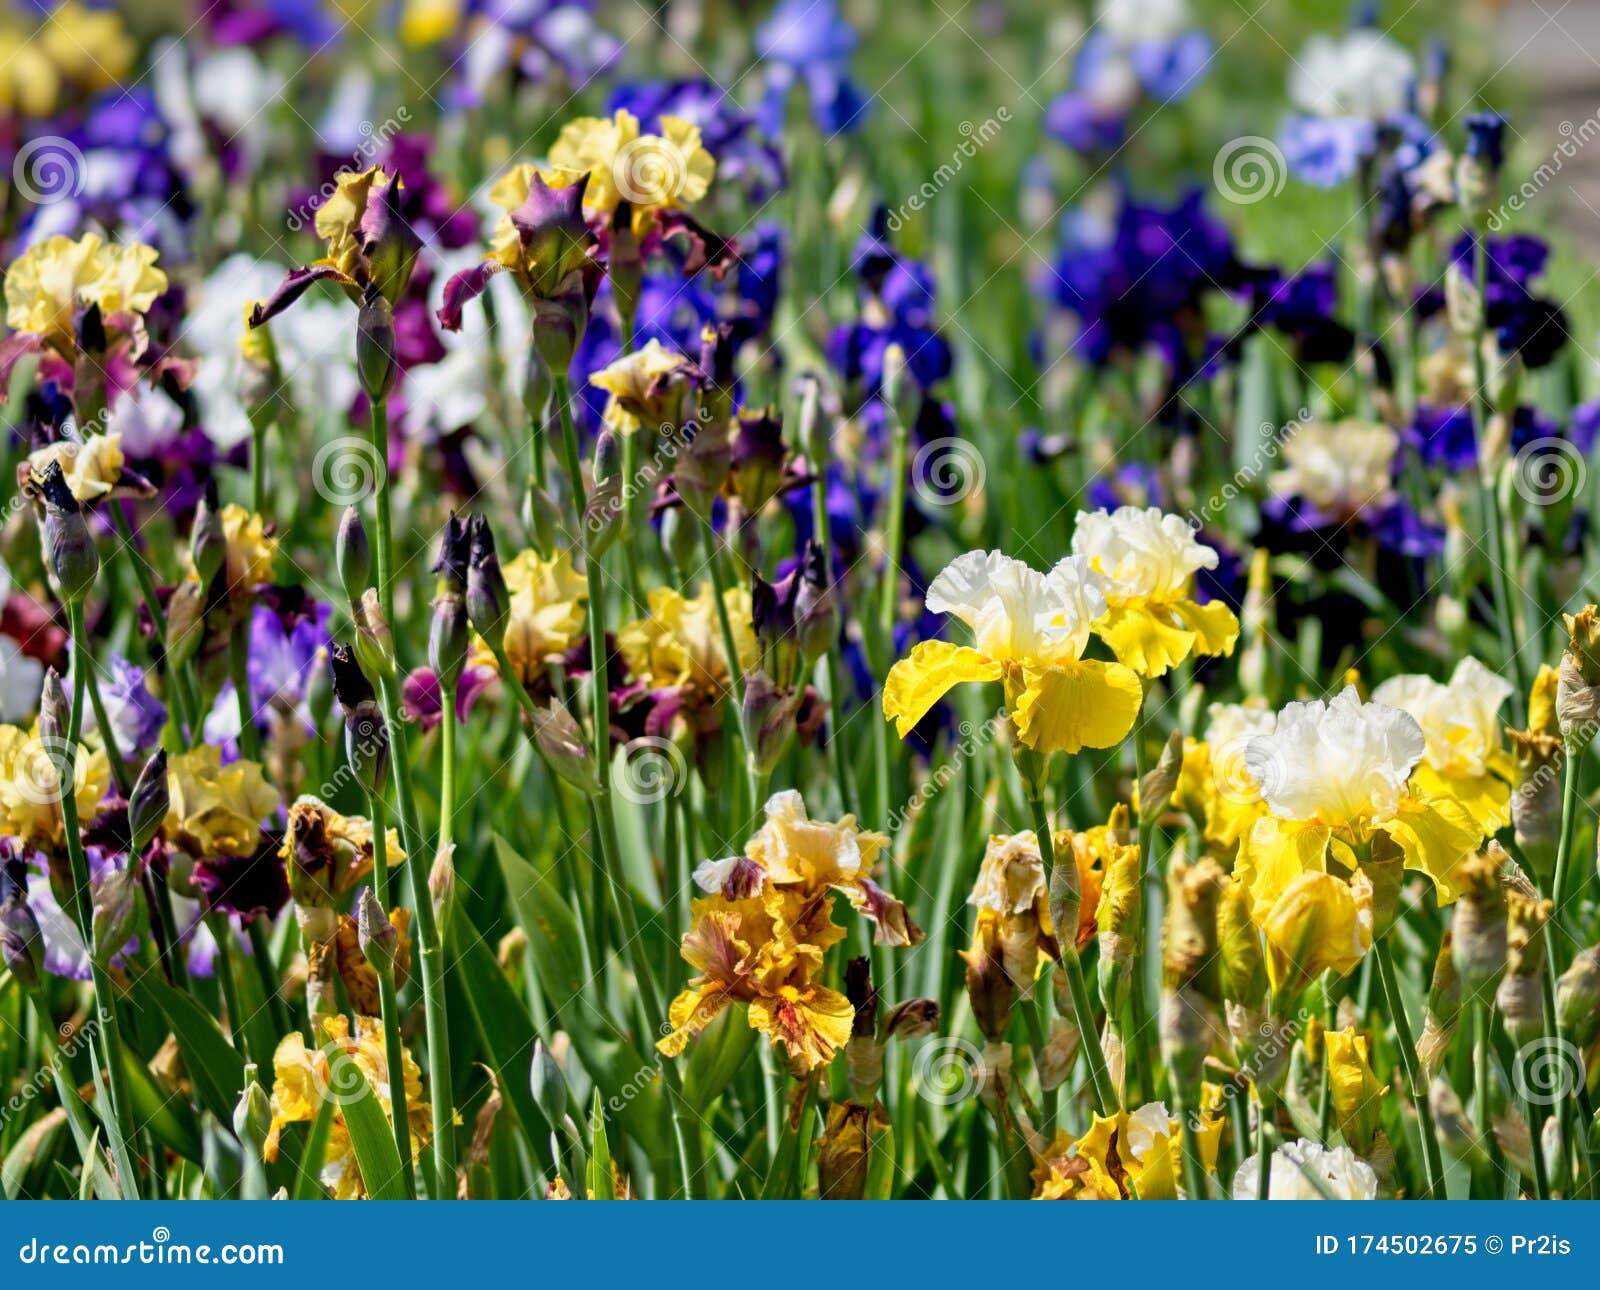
x=926, y=675
x=1143, y=640
x=1213, y=623
x=1274, y=853
x=1435, y=837
x=1079, y=704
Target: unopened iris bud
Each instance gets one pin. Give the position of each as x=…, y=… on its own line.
x=442, y=886
x=1354, y=1091
x=1191, y=1012
x=375, y=347
x=561, y=740
x=1520, y=998
x=1536, y=761
x=208, y=543
x=374, y=640
x=912, y=1019
x=186, y=621
x=147, y=806
x=447, y=628
x=1440, y=1017
x=21, y=940
x=704, y=457
x=54, y=711
x=1244, y=966
x=844, y=1152
x=1478, y=929
x=391, y=241
x=69, y=550
x=115, y=911
x=1578, y=998
x=767, y=718
x=352, y=554
x=558, y=326
x=680, y=536
x=758, y=456
x=366, y=736
x=378, y=937
x=816, y=611
x=252, y=1116
x=547, y=1083
x=990, y=990
x=1578, y=682
x=606, y=511
x=488, y=600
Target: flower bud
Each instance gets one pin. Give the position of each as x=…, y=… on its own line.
x=912, y=1019
x=844, y=1151
x=374, y=641
x=562, y=741
x=1442, y=1012
x=547, y=1083
x=758, y=455
x=1353, y=1089
x=767, y=719
x=147, y=806
x=1536, y=798
x=115, y=911
x=1578, y=998
x=1244, y=966
x=21, y=940
x=1520, y=997
x=375, y=347
x=352, y=554
x=1191, y=1016
x=208, y=543
x=990, y=990
x=442, y=886
x=1118, y=917
x=366, y=735
x=558, y=326
x=1478, y=929
x=252, y=1116
x=186, y=622
x=378, y=937
x=69, y=551
x=488, y=600
x=816, y=611
x=55, y=715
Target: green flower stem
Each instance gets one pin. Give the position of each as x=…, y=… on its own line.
x=609, y=848
x=119, y=768
x=1083, y=1010
x=380, y=498
x=1570, y=778
x=239, y=674
x=890, y=596
x=389, y=1011
x=260, y=423
x=119, y=1125
x=1263, y=1145
x=447, y=771
x=1186, y=1102
x=1418, y=1090
x=430, y=948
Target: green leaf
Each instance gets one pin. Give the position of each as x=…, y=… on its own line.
x=371, y=1137
x=309, y=1184
x=168, y=1118
x=632, y=1085
x=215, y=1067
x=505, y=1032
x=601, y=1183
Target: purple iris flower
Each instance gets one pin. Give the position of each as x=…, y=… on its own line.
x=1170, y=69
x=534, y=40
x=1326, y=151
x=1533, y=327
x=899, y=298
x=1302, y=306
x=284, y=657
x=311, y=22
x=809, y=41
x=1443, y=436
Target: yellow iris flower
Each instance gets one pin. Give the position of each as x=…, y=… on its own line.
x=215, y=809
x=1130, y=1153
x=30, y=788
x=1215, y=786
x=1317, y=924
x=1149, y=560
x=546, y=615
x=639, y=385
x=680, y=644
x=1334, y=776
x=649, y=172
x=91, y=468
x=1029, y=633
x=49, y=282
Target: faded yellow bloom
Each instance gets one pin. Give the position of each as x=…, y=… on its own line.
x=642, y=389
x=50, y=281
x=648, y=172
x=1353, y=1089
x=1317, y=924
x=546, y=615
x=680, y=644
x=216, y=809
x=30, y=788
x=91, y=468
x=251, y=550
x=303, y=1077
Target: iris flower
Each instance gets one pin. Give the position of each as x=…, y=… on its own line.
x=1029, y=630
x=1149, y=560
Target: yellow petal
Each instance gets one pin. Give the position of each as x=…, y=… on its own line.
x=1213, y=623
x=1078, y=704
x=1273, y=854
x=1143, y=639
x=1435, y=836
x=926, y=675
